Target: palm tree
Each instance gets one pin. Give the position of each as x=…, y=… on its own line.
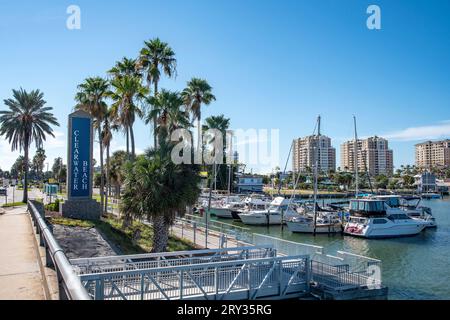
x=167, y=108
x=26, y=121
x=125, y=67
x=197, y=93
x=91, y=98
x=127, y=93
x=116, y=170
x=222, y=124
x=156, y=56
x=158, y=189
x=38, y=162
x=106, y=139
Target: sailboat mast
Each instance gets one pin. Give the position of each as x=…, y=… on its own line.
x=316, y=171
x=355, y=151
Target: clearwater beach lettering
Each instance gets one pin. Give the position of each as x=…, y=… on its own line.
x=80, y=174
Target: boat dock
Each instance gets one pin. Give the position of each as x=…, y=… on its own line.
x=256, y=267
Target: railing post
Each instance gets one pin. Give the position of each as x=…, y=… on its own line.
x=181, y=284
x=99, y=289
x=48, y=258
x=194, y=226
x=308, y=273
x=216, y=281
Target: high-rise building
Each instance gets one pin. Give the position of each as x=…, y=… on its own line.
x=304, y=151
x=433, y=154
x=373, y=153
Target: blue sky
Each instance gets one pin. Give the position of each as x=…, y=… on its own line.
x=273, y=64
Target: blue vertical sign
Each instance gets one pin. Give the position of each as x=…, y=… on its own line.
x=80, y=157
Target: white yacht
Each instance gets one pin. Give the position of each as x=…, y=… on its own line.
x=326, y=222
x=369, y=219
x=409, y=205
x=250, y=203
x=222, y=208
x=279, y=210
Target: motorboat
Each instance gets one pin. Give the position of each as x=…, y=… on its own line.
x=326, y=222
x=409, y=205
x=222, y=208
x=280, y=209
x=369, y=218
x=251, y=203
x=430, y=195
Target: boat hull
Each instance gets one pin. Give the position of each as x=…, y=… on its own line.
x=221, y=212
x=309, y=227
x=260, y=219
x=395, y=231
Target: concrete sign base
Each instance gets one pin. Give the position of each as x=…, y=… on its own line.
x=88, y=209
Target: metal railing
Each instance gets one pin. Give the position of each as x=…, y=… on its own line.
x=69, y=284
x=272, y=277
x=167, y=259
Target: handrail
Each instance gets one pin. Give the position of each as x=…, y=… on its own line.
x=93, y=276
x=170, y=254
x=67, y=278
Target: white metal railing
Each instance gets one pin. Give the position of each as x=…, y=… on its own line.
x=166, y=259
x=239, y=279
x=69, y=285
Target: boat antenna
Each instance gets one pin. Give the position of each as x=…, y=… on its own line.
x=285, y=167
x=316, y=171
x=355, y=151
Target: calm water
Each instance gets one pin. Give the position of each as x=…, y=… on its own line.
x=413, y=268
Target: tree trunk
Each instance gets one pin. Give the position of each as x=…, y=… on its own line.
x=107, y=178
x=155, y=136
x=199, y=155
x=133, y=151
x=128, y=143
x=102, y=180
x=25, y=184
x=160, y=234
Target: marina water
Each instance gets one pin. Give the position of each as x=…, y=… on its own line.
x=412, y=267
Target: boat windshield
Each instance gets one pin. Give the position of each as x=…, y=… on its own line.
x=399, y=216
x=392, y=202
x=369, y=206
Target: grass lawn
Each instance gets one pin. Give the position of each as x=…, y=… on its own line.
x=13, y=204
x=111, y=228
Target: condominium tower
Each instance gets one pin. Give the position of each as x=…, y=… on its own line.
x=373, y=153
x=304, y=151
x=433, y=154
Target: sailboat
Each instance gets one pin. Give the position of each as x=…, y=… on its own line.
x=321, y=221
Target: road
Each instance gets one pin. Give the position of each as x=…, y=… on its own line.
x=33, y=193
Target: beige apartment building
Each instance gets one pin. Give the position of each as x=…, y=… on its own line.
x=433, y=154
x=304, y=151
x=373, y=153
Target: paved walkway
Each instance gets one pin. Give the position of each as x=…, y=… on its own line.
x=20, y=276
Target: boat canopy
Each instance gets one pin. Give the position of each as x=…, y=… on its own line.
x=367, y=207
x=280, y=201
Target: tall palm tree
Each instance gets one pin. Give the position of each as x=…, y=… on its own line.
x=38, y=162
x=106, y=139
x=197, y=93
x=158, y=189
x=167, y=107
x=26, y=121
x=91, y=97
x=125, y=67
x=156, y=56
x=127, y=94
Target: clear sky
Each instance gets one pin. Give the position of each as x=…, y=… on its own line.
x=273, y=64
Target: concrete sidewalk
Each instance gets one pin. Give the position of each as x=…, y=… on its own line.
x=20, y=275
